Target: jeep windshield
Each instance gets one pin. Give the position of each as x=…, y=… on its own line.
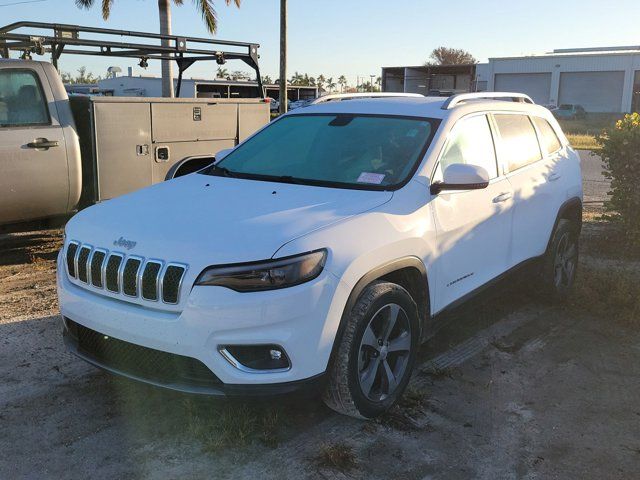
x=372, y=152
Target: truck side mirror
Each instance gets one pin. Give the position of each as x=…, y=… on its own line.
x=462, y=176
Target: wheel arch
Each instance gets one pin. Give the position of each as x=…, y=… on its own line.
x=189, y=165
x=569, y=210
x=408, y=272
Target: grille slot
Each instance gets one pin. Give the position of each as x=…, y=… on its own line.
x=130, y=277
x=112, y=270
x=83, y=258
x=96, y=268
x=71, y=258
x=150, y=280
x=171, y=283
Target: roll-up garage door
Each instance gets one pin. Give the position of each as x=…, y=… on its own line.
x=536, y=85
x=595, y=91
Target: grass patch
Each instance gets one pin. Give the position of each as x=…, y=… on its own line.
x=581, y=132
x=613, y=293
x=582, y=142
x=338, y=456
x=233, y=425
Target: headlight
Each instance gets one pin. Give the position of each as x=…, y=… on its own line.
x=266, y=275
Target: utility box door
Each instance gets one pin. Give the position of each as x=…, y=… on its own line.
x=123, y=147
x=252, y=117
x=189, y=122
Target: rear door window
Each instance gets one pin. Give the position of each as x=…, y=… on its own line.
x=548, y=139
x=22, y=102
x=471, y=142
x=518, y=141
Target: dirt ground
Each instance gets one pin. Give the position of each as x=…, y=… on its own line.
x=507, y=387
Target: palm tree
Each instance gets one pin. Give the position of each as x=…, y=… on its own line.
x=342, y=81
x=321, y=81
x=222, y=73
x=205, y=8
x=331, y=85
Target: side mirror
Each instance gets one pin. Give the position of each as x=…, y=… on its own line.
x=462, y=176
x=222, y=153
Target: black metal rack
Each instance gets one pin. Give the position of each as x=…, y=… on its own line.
x=67, y=38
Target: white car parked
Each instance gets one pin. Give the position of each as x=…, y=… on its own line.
x=318, y=251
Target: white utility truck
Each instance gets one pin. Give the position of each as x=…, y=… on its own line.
x=59, y=154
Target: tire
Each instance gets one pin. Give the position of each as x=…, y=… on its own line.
x=560, y=263
x=372, y=363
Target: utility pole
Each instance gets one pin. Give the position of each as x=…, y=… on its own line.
x=283, y=56
x=371, y=83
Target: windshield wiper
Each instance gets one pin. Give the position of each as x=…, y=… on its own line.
x=224, y=172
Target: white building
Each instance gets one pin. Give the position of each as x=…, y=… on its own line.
x=146, y=86
x=599, y=79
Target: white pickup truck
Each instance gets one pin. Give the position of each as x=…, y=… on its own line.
x=59, y=154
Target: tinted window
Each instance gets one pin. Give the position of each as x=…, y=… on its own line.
x=21, y=99
x=548, y=139
x=362, y=150
x=519, y=144
x=471, y=142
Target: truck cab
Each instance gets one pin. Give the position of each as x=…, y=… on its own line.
x=39, y=148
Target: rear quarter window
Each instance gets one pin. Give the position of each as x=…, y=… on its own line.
x=549, y=141
x=518, y=141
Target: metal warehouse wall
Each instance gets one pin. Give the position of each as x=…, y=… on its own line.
x=599, y=92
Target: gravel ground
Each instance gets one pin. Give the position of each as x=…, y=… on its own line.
x=507, y=388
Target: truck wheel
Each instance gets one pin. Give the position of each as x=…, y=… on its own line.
x=376, y=353
x=559, y=265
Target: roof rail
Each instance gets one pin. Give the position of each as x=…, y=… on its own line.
x=455, y=100
x=338, y=97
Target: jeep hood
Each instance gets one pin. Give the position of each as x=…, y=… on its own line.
x=203, y=220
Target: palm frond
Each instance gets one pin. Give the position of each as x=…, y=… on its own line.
x=84, y=4
x=208, y=12
x=106, y=8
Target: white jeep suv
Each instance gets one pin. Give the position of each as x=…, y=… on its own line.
x=318, y=251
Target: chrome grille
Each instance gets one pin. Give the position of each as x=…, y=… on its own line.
x=133, y=276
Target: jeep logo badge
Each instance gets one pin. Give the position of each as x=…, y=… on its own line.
x=124, y=243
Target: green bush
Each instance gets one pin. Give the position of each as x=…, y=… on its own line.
x=620, y=152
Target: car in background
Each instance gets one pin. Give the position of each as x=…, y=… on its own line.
x=568, y=111
x=551, y=107
x=274, y=105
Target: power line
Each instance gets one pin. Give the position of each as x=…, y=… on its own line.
x=20, y=3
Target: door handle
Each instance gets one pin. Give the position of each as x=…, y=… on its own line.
x=503, y=197
x=43, y=143
x=553, y=176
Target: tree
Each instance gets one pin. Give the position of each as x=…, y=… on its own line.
x=450, y=56
x=266, y=80
x=331, y=85
x=82, y=77
x=342, y=81
x=223, y=73
x=321, y=81
x=206, y=9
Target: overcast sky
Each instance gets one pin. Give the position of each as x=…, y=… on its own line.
x=357, y=37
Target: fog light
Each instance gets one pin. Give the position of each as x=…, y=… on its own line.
x=256, y=358
x=275, y=354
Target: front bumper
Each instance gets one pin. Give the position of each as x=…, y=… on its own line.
x=302, y=319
